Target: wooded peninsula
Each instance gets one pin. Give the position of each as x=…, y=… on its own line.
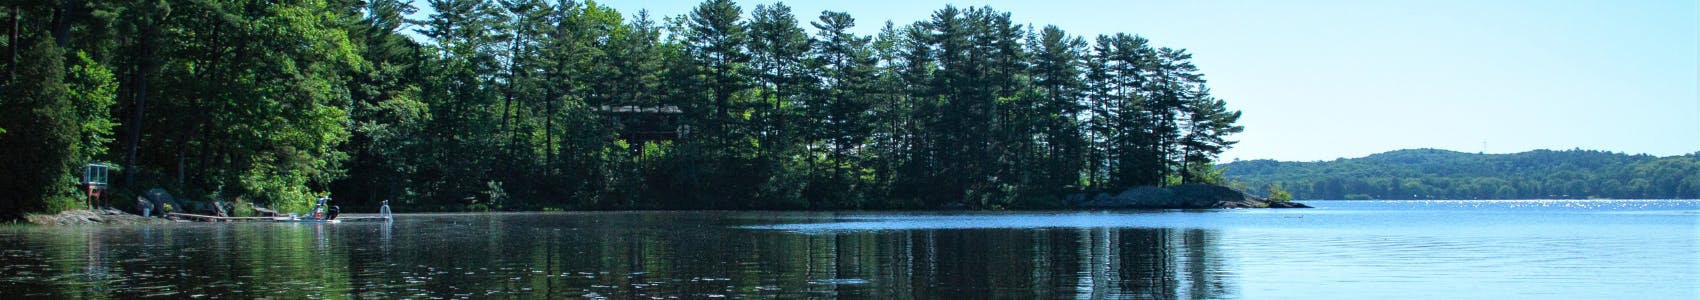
x=533, y=104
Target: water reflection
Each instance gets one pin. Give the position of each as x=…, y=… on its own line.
x=1348, y=250
x=629, y=255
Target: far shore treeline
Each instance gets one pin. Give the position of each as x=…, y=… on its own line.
x=532, y=104
x=1419, y=174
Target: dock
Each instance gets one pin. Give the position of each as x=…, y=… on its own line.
x=345, y=218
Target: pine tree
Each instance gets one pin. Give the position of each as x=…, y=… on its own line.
x=845, y=66
x=715, y=41
x=1058, y=78
x=1209, y=123
x=460, y=89
x=387, y=114
x=777, y=47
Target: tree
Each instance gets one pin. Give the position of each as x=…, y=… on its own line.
x=513, y=104
x=523, y=33
x=1174, y=78
x=387, y=112
x=1208, y=125
x=714, y=41
x=634, y=77
x=845, y=66
x=777, y=48
x=577, y=47
x=1058, y=78
x=903, y=104
x=139, y=23
x=92, y=88
x=1440, y=174
x=459, y=88
x=977, y=53
x=43, y=147
x=1124, y=119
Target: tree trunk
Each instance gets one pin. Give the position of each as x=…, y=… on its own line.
x=144, y=66
x=508, y=103
x=12, y=51
x=182, y=161
x=62, y=19
x=549, y=134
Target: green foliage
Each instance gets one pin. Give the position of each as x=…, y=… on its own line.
x=279, y=191
x=93, y=88
x=42, y=154
x=494, y=194
x=1206, y=173
x=1278, y=193
x=259, y=111
x=1440, y=174
x=516, y=105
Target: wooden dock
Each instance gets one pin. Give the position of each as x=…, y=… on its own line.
x=207, y=218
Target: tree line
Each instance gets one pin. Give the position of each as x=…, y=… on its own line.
x=1440, y=174
x=533, y=104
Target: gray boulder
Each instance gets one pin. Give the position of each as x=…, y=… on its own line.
x=1186, y=196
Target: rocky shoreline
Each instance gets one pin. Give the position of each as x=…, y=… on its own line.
x=93, y=217
x=1186, y=196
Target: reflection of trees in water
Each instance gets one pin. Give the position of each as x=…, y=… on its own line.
x=1057, y=263
x=176, y=262
x=615, y=255
x=1161, y=263
x=1001, y=263
x=1043, y=263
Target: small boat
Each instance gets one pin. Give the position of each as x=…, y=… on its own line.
x=320, y=213
x=323, y=213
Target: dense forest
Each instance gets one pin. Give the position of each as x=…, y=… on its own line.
x=532, y=104
x=1441, y=174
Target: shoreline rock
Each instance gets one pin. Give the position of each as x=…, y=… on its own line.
x=1186, y=196
x=92, y=217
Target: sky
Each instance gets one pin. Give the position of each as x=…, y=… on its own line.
x=1320, y=80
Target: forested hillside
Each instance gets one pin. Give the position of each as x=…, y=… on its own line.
x=1441, y=174
x=535, y=104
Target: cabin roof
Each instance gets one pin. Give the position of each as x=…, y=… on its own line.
x=664, y=109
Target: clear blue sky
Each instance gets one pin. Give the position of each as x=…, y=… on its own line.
x=1319, y=80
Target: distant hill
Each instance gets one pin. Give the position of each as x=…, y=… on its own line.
x=1442, y=174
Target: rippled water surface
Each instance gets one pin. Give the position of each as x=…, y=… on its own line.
x=1558, y=249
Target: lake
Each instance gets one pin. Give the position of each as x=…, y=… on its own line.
x=1545, y=249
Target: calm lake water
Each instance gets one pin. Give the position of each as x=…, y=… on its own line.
x=1608, y=249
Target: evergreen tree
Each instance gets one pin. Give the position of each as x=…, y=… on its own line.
x=1058, y=79
x=715, y=41
x=1173, y=79
x=1208, y=125
x=777, y=47
x=459, y=88
x=387, y=113
x=578, y=49
x=636, y=68
x=845, y=66
x=42, y=147
x=566, y=104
